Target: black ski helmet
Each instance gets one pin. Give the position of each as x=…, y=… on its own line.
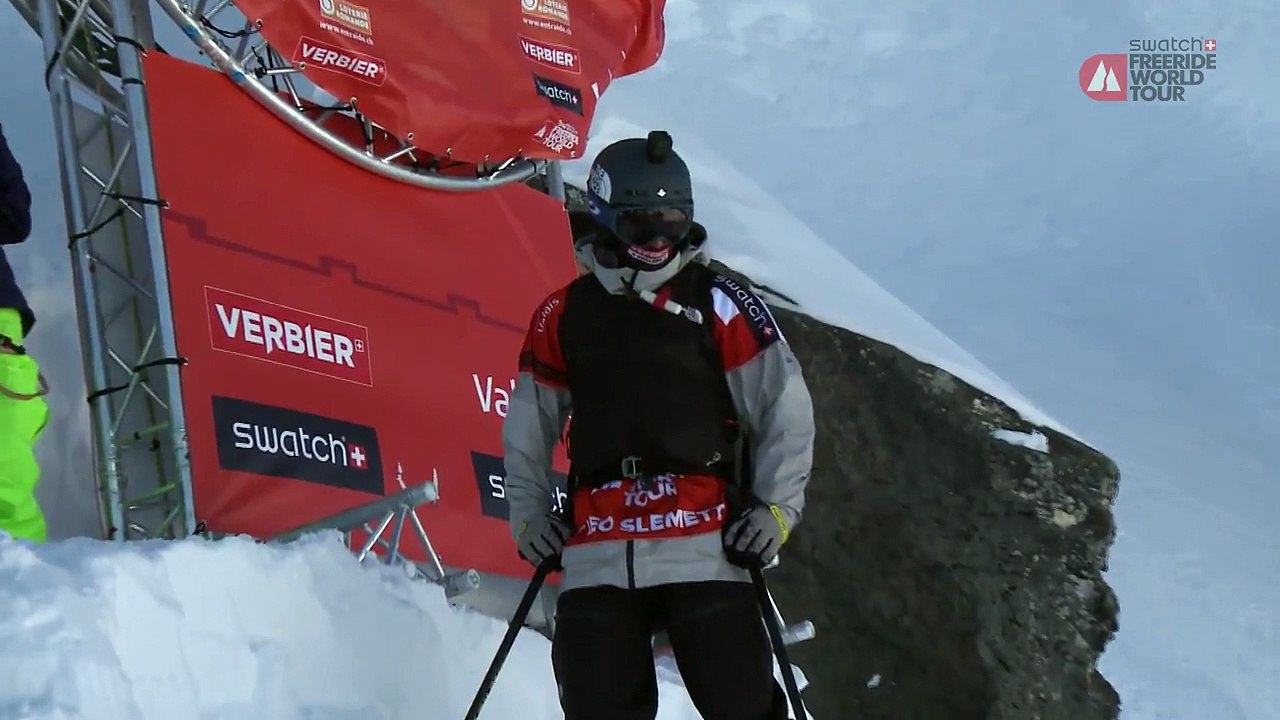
x=640, y=190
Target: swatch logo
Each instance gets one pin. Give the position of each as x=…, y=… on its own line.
x=559, y=94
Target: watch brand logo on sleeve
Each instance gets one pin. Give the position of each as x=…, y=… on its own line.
x=284, y=335
x=279, y=442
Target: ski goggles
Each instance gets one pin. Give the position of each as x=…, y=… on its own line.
x=642, y=226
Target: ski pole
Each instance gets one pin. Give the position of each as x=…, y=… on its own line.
x=779, y=645
x=513, y=629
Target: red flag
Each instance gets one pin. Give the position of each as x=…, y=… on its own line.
x=474, y=81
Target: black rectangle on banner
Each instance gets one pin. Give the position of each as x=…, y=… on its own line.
x=559, y=94
x=276, y=441
x=491, y=478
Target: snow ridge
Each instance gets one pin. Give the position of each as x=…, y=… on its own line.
x=235, y=629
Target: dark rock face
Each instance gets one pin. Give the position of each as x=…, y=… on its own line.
x=951, y=575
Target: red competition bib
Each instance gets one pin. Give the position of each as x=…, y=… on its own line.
x=666, y=506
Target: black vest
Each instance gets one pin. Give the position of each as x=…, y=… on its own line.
x=645, y=383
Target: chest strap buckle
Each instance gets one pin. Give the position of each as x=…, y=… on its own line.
x=631, y=468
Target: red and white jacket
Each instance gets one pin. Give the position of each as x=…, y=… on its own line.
x=629, y=534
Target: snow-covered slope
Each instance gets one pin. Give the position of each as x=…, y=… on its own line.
x=233, y=630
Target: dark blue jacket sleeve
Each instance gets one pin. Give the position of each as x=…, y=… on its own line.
x=15, y=198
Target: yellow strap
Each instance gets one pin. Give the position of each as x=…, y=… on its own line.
x=782, y=521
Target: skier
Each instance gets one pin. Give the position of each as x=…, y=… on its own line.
x=23, y=412
x=665, y=365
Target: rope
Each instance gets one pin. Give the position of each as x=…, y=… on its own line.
x=8, y=346
x=44, y=390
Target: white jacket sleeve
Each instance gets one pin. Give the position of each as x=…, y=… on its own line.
x=536, y=416
x=774, y=403
x=535, y=420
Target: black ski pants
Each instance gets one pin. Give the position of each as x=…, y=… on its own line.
x=602, y=651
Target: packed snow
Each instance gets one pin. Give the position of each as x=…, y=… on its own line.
x=235, y=629
x=930, y=174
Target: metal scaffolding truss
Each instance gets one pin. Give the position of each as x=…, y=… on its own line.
x=113, y=219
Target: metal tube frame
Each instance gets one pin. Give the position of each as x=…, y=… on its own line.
x=130, y=26
x=400, y=509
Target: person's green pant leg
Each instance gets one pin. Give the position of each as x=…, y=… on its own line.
x=23, y=414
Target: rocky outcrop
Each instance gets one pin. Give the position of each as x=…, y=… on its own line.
x=952, y=572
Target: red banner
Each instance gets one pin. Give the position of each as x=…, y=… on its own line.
x=344, y=333
x=478, y=80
